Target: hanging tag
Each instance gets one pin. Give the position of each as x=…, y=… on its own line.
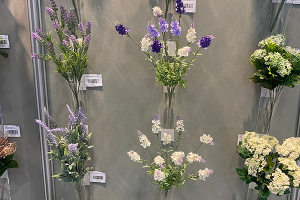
x=12, y=131
x=93, y=80
x=97, y=177
x=189, y=5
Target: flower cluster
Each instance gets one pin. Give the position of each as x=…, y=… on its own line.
x=121, y=29
x=145, y=42
x=157, y=11
x=207, y=139
x=191, y=35
x=273, y=171
x=276, y=64
x=168, y=167
x=179, y=7
x=7, y=151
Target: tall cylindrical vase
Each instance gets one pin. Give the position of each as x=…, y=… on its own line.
x=266, y=109
x=166, y=194
x=168, y=118
x=81, y=190
x=77, y=96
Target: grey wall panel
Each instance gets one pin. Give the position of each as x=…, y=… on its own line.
x=18, y=101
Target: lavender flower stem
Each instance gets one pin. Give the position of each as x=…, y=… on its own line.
x=198, y=147
x=150, y=153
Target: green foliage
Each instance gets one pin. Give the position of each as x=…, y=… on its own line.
x=4, y=54
x=7, y=163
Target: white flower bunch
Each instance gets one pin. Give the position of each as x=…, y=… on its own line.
x=145, y=43
x=274, y=39
x=159, y=175
x=255, y=165
x=159, y=160
x=179, y=126
x=280, y=182
x=191, y=35
x=203, y=174
x=184, y=51
x=275, y=60
x=258, y=54
x=192, y=157
x=155, y=127
x=177, y=157
x=207, y=139
x=143, y=140
x=134, y=156
x=290, y=148
x=157, y=11
x=166, y=138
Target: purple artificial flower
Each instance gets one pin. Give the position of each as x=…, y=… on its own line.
x=58, y=130
x=67, y=19
x=50, y=118
x=152, y=31
x=211, y=144
x=49, y=45
x=88, y=28
x=53, y=4
x=56, y=26
x=179, y=7
x=65, y=42
x=156, y=46
x=35, y=55
x=177, y=118
x=62, y=10
x=50, y=12
x=72, y=15
x=49, y=134
x=210, y=171
x=72, y=148
x=121, y=29
x=36, y=36
x=163, y=25
x=205, y=41
x=161, y=166
x=192, y=25
x=72, y=118
x=176, y=29
x=155, y=117
x=81, y=28
x=73, y=39
x=87, y=40
x=39, y=32
x=202, y=160
x=81, y=115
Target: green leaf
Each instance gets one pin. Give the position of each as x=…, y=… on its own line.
x=4, y=54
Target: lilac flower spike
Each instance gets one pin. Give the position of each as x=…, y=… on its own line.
x=81, y=28
x=72, y=148
x=49, y=134
x=39, y=32
x=88, y=28
x=87, y=40
x=71, y=15
x=155, y=117
x=37, y=37
x=205, y=41
x=73, y=39
x=156, y=46
x=65, y=42
x=62, y=10
x=177, y=118
x=139, y=133
x=179, y=7
x=67, y=19
x=50, y=12
x=35, y=55
x=152, y=31
x=175, y=28
x=49, y=45
x=163, y=25
x=121, y=29
x=56, y=26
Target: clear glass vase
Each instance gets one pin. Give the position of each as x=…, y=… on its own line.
x=168, y=118
x=267, y=104
x=81, y=190
x=166, y=194
x=77, y=96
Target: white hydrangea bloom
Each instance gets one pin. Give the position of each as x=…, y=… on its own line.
x=258, y=54
x=274, y=39
x=145, y=43
x=159, y=160
x=255, y=164
x=280, y=182
x=191, y=35
x=290, y=148
x=159, y=175
x=289, y=163
x=207, y=139
x=296, y=176
x=184, y=51
x=134, y=156
x=203, y=174
x=144, y=141
x=166, y=138
x=177, y=157
x=179, y=126
x=155, y=127
x=192, y=157
x=275, y=60
x=157, y=11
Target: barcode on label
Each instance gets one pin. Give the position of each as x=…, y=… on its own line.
x=12, y=132
x=187, y=5
x=93, y=80
x=98, y=177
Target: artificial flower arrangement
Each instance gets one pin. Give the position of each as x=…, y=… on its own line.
x=277, y=66
x=169, y=166
x=7, y=151
x=74, y=41
x=271, y=166
x=170, y=66
x=70, y=147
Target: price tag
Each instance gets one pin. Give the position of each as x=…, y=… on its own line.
x=170, y=131
x=12, y=131
x=97, y=177
x=189, y=5
x=4, y=42
x=93, y=80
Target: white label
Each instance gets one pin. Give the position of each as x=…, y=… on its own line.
x=189, y=5
x=287, y=1
x=93, y=80
x=97, y=177
x=170, y=131
x=12, y=131
x=264, y=92
x=4, y=42
x=296, y=2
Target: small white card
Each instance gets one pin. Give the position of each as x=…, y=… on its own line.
x=12, y=131
x=4, y=42
x=189, y=5
x=97, y=177
x=93, y=80
x=170, y=131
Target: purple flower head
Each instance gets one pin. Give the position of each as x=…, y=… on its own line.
x=65, y=42
x=179, y=7
x=72, y=148
x=72, y=15
x=139, y=133
x=56, y=26
x=73, y=39
x=210, y=171
x=50, y=118
x=155, y=117
x=35, y=55
x=163, y=25
x=192, y=25
x=87, y=40
x=211, y=144
x=177, y=118
x=161, y=166
x=39, y=32
x=81, y=28
x=50, y=12
x=37, y=37
x=49, y=45
x=67, y=19
x=152, y=31
x=202, y=160
x=72, y=118
x=58, y=130
x=205, y=41
x=88, y=28
x=53, y=4
x=62, y=10
x=81, y=116
x=176, y=29
x=156, y=46
x=48, y=132
x=121, y=29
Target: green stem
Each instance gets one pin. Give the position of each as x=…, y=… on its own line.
x=277, y=15
x=170, y=94
x=198, y=148
x=150, y=153
x=190, y=62
x=167, y=7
